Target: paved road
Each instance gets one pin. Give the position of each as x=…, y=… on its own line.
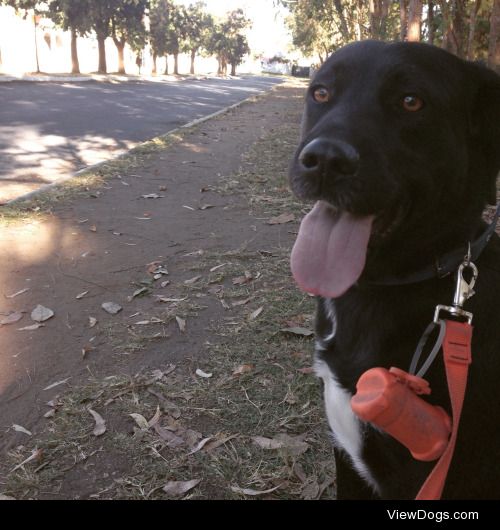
x=48, y=130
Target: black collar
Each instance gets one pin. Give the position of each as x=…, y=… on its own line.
x=446, y=264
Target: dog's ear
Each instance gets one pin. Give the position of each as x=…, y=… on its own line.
x=485, y=121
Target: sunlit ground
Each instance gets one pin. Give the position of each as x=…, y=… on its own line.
x=23, y=246
x=36, y=159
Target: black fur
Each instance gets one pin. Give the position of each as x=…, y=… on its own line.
x=427, y=176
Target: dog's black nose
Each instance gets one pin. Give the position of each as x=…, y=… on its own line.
x=323, y=157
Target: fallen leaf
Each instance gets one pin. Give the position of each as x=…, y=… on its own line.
x=152, y=196
x=306, y=370
x=294, y=445
x=156, y=418
x=267, y=443
x=206, y=207
x=11, y=318
x=256, y=313
x=180, y=488
x=181, y=323
x=86, y=349
x=165, y=299
x=210, y=446
x=138, y=292
x=111, y=308
x=81, y=295
x=168, y=436
x=141, y=421
x=36, y=454
x=213, y=269
x=18, y=293
x=311, y=490
x=191, y=281
x=162, y=188
x=50, y=414
x=164, y=284
x=201, y=373
x=6, y=498
x=20, y=428
x=188, y=207
x=200, y=445
x=41, y=313
x=32, y=327
x=100, y=423
x=151, y=267
x=57, y=383
x=251, y=492
x=243, y=369
x=241, y=302
x=281, y=219
x=92, y=322
x=240, y=280
x=93, y=228
x=297, y=330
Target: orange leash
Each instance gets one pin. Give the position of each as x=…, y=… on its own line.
x=457, y=357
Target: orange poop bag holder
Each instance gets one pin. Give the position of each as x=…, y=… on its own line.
x=390, y=400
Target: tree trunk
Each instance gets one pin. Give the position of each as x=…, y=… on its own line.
x=176, y=63
x=454, y=26
x=233, y=69
x=403, y=19
x=430, y=21
x=166, y=65
x=379, y=10
x=153, y=71
x=35, y=26
x=472, y=28
x=414, y=20
x=193, y=56
x=359, y=19
x=75, y=64
x=120, y=46
x=102, y=68
x=494, y=44
x=344, y=29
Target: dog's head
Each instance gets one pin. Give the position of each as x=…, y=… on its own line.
x=400, y=148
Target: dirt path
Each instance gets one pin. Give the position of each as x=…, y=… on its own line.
x=200, y=209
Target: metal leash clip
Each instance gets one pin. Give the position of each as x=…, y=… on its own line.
x=463, y=291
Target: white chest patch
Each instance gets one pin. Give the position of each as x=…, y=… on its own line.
x=345, y=425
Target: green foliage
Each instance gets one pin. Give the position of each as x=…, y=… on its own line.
x=228, y=42
x=198, y=25
x=319, y=27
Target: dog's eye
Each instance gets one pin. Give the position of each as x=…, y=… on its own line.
x=412, y=103
x=321, y=95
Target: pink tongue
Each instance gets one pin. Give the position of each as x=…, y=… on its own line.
x=330, y=252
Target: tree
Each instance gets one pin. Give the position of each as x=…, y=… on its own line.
x=494, y=37
x=127, y=26
x=71, y=15
x=228, y=43
x=237, y=49
x=414, y=20
x=158, y=25
x=197, y=25
x=176, y=33
x=379, y=10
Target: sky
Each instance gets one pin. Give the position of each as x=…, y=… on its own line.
x=268, y=34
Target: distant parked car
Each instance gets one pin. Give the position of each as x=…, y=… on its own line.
x=301, y=71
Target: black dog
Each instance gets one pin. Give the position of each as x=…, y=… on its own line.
x=400, y=148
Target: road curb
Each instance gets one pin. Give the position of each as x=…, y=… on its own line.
x=192, y=123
